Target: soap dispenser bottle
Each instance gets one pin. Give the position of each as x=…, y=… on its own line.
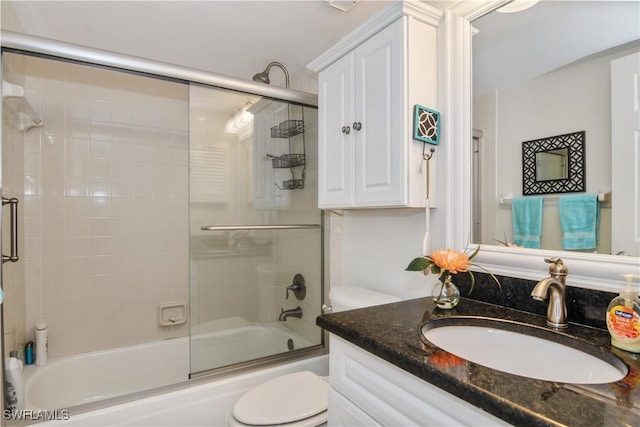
x=623, y=317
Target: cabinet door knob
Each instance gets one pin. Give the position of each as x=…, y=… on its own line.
x=357, y=125
x=346, y=130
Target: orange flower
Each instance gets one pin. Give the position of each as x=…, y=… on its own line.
x=451, y=260
x=446, y=360
x=448, y=262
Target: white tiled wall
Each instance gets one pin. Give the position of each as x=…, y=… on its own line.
x=106, y=205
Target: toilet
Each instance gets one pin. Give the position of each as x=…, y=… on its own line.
x=344, y=298
x=299, y=398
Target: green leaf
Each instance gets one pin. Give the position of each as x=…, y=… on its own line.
x=419, y=264
x=473, y=281
x=495, y=279
x=435, y=269
x=473, y=255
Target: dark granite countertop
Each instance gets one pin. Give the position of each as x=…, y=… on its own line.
x=391, y=332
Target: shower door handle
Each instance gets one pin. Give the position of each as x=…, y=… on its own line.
x=13, y=202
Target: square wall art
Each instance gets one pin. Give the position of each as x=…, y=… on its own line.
x=426, y=127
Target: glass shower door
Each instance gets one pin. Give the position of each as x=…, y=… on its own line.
x=255, y=229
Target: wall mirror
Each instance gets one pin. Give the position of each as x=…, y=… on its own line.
x=542, y=72
x=551, y=165
x=554, y=164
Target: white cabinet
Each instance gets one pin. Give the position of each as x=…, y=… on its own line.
x=343, y=413
x=359, y=111
x=366, y=390
x=366, y=96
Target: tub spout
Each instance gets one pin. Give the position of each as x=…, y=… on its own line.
x=294, y=312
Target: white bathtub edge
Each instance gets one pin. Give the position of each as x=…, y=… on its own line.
x=191, y=406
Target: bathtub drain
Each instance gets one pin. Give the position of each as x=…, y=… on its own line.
x=290, y=345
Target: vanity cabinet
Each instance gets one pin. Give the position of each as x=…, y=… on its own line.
x=368, y=86
x=367, y=390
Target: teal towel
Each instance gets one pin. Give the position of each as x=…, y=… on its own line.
x=527, y=221
x=579, y=221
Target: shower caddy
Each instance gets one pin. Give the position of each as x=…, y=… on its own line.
x=293, y=130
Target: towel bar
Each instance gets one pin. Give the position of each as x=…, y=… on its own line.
x=550, y=200
x=258, y=227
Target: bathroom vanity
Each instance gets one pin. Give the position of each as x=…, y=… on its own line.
x=383, y=373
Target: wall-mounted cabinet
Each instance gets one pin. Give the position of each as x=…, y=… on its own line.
x=368, y=85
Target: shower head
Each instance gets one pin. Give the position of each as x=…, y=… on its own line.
x=264, y=75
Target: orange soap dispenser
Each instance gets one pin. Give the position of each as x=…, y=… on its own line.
x=623, y=317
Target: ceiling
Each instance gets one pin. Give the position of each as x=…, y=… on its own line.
x=514, y=47
x=239, y=38
x=234, y=38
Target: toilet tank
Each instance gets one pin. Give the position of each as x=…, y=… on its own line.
x=350, y=297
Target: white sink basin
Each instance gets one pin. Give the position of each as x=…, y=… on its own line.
x=524, y=350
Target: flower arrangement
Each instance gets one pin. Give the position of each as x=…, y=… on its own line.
x=446, y=262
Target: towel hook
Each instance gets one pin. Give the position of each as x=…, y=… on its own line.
x=426, y=156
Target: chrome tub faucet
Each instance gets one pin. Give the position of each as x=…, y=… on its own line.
x=554, y=287
x=294, y=312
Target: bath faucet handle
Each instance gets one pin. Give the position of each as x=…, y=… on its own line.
x=298, y=287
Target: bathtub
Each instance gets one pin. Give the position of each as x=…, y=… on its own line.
x=204, y=403
x=89, y=377
x=249, y=341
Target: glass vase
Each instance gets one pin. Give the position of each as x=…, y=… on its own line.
x=445, y=294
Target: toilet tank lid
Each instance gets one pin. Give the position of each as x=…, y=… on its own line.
x=351, y=297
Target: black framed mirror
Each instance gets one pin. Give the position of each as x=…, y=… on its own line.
x=554, y=164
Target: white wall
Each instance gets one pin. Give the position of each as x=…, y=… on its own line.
x=105, y=206
x=371, y=249
x=571, y=99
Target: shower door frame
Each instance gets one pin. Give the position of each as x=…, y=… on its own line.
x=3, y=422
x=23, y=43
x=53, y=49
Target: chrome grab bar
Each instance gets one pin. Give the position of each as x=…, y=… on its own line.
x=258, y=227
x=14, y=230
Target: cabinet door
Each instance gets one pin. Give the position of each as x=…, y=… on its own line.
x=394, y=397
x=380, y=151
x=343, y=413
x=625, y=124
x=335, y=135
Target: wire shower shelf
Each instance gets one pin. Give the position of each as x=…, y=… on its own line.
x=287, y=129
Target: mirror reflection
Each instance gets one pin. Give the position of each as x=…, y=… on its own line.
x=550, y=70
x=552, y=164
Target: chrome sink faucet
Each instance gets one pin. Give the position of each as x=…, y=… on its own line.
x=554, y=287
